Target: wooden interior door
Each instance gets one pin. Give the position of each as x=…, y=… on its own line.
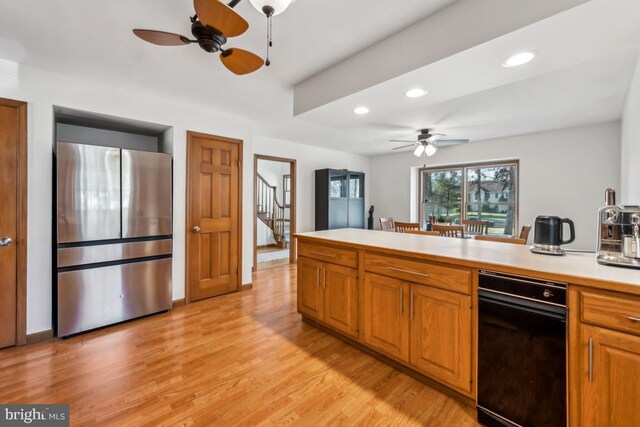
x=441, y=335
x=611, y=394
x=385, y=315
x=341, y=298
x=9, y=155
x=213, y=216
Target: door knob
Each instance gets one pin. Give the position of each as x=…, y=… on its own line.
x=6, y=241
x=196, y=229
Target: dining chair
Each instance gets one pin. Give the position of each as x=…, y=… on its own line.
x=513, y=240
x=401, y=227
x=387, y=224
x=423, y=233
x=449, y=230
x=474, y=226
x=524, y=232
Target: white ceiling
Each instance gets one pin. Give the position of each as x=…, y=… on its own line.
x=587, y=55
x=586, y=60
x=93, y=39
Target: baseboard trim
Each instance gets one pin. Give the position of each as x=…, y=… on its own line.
x=178, y=303
x=394, y=364
x=40, y=336
x=247, y=286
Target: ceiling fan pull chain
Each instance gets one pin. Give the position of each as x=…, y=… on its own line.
x=269, y=41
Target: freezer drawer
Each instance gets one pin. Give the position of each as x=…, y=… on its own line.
x=91, y=298
x=88, y=187
x=81, y=255
x=146, y=194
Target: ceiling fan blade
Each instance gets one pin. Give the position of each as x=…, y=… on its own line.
x=221, y=17
x=401, y=140
x=240, y=61
x=446, y=142
x=161, y=38
x=404, y=146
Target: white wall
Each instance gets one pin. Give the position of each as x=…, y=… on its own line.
x=630, y=185
x=562, y=172
x=309, y=158
x=264, y=235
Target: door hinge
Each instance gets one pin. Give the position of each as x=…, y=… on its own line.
x=239, y=163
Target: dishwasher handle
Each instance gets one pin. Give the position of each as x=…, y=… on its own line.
x=515, y=303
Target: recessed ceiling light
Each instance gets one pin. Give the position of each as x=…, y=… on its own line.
x=361, y=110
x=519, y=59
x=415, y=93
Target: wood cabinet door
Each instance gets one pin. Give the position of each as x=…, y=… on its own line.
x=441, y=339
x=341, y=298
x=386, y=315
x=214, y=218
x=310, y=288
x=610, y=378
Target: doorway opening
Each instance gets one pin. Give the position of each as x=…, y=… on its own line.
x=274, y=211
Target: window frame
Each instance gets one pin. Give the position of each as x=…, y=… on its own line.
x=463, y=167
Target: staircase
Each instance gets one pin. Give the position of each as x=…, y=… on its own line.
x=270, y=211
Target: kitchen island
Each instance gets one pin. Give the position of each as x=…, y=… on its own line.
x=413, y=300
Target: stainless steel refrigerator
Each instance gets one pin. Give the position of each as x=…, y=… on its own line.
x=113, y=235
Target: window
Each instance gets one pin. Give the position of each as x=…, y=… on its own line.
x=286, y=190
x=484, y=192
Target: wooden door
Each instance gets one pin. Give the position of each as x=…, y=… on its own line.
x=611, y=396
x=310, y=288
x=385, y=315
x=441, y=335
x=213, y=209
x=9, y=155
x=341, y=298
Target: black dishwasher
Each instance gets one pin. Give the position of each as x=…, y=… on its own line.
x=521, y=351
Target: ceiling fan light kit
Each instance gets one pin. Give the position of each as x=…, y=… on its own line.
x=275, y=7
x=270, y=8
x=428, y=142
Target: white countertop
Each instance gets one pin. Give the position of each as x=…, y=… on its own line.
x=581, y=267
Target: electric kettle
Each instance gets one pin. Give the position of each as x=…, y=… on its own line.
x=548, y=235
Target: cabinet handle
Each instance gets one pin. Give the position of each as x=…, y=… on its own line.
x=411, y=308
x=323, y=254
x=401, y=308
x=408, y=271
x=324, y=278
x=590, y=359
x=634, y=319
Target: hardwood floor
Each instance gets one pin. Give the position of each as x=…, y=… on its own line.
x=242, y=359
x=272, y=264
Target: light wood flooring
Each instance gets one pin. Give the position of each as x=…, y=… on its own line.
x=242, y=359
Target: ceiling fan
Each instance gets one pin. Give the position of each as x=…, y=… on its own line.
x=428, y=142
x=212, y=24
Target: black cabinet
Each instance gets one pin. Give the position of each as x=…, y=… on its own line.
x=339, y=199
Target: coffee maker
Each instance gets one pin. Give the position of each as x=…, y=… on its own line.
x=618, y=233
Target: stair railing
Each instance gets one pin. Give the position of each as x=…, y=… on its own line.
x=269, y=208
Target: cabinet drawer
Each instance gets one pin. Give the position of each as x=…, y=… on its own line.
x=450, y=278
x=616, y=312
x=346, y=257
